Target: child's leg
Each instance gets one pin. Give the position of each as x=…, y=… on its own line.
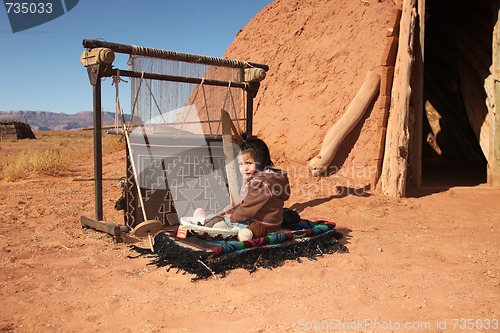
x=258, y=229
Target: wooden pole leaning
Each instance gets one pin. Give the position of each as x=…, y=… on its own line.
x=229, y=154
x=337, y=133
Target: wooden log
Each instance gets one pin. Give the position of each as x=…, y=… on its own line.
x=394, y=169
x=107, y=227
x=171, y=55
x=417, y=99
x=494, y=163
x=337, y=133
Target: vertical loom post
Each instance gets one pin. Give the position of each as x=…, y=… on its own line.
x=252, y=90
x=98, y=151
x=249, y=120
x=95, y=73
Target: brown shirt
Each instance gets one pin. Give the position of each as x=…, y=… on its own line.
x=266, y=193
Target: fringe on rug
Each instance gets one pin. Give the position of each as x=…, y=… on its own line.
x=202, y=264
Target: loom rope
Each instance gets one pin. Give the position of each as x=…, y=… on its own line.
x=193, y=58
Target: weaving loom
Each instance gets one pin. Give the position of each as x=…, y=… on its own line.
x=176, y=157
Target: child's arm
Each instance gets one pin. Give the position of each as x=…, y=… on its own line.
x=229, y=209
x=257, y=197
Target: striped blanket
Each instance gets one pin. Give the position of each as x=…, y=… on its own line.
x=204, y=257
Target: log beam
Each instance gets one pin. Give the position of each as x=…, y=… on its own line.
x=417, y=99
x=337, y=133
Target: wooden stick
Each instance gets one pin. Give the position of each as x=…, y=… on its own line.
x=236, y=133
x=494, y=165
x=346, y=123
x=231, y=163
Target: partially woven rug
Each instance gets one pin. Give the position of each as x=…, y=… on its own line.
x=204, y=257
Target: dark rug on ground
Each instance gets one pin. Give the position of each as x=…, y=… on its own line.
x=204, y=257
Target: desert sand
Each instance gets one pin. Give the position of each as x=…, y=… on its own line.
x=420, y=260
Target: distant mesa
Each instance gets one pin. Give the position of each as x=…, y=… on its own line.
x=51, y=121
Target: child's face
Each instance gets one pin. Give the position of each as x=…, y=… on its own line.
x=246, y=164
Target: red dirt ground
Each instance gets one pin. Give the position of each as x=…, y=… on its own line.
x=433, y=257
x=426, y=261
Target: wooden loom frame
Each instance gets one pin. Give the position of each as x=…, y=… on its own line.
x=98, y=69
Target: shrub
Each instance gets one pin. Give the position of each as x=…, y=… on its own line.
x=49, y=162
x=54, y=153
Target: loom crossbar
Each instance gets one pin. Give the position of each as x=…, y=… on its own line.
x=171, y=55
x=174, y=78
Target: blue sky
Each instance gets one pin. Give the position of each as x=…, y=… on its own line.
x=40, y=67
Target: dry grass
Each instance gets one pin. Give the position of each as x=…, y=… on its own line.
x=53, y=153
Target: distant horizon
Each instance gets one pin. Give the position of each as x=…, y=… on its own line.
x=91, y=111
x=44, y=120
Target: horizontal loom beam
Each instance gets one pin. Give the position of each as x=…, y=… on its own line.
x=166, y=77
x=171, y=55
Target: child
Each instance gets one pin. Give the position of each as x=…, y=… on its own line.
x=263, y=193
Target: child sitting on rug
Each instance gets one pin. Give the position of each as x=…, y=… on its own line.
x=260, y=207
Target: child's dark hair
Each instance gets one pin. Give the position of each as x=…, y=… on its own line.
x=259, y=151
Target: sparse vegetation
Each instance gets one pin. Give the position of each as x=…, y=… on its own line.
x=54, y=153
